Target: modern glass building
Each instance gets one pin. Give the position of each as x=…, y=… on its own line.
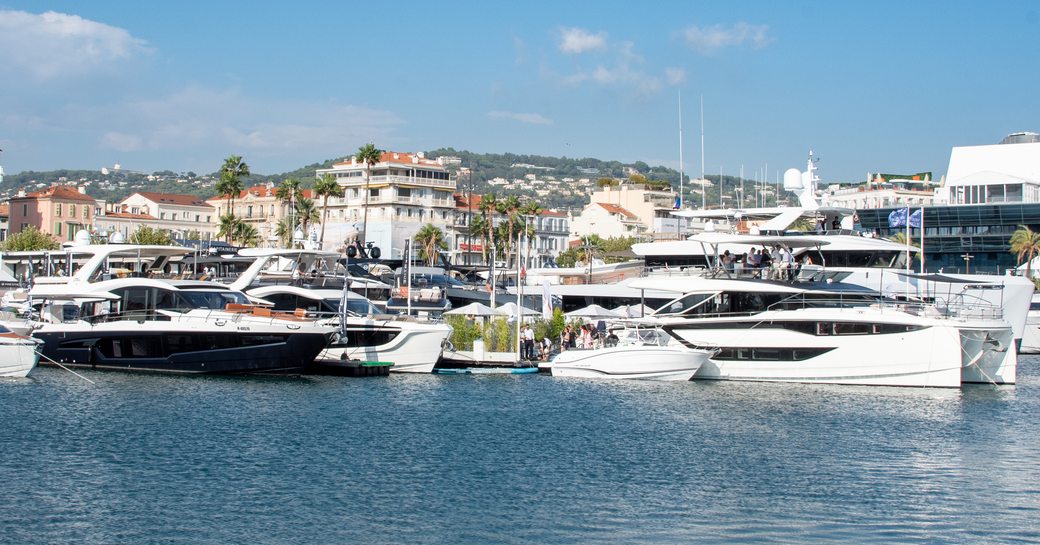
x=962, y=238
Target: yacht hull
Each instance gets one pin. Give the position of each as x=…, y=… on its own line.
x=630, y=362
x=923, y=354
x=18, y=356
x=413, y=347
x=181, y=348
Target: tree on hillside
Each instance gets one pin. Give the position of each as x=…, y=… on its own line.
x=369, y=155
x=326, y=187
x=230, y=184
x=29, y=239
x=607, y=182
x=148, y=235
x=430, y=239
x=1025, y=244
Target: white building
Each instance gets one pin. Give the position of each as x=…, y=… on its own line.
x=404, y=192
x=607, y=221
x=651, y=207
x=1008, y=172
x=171, y=212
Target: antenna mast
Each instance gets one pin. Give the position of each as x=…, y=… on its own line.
x=704, y=192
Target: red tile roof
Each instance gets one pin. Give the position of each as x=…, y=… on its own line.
x=173, y=198
x=402, y=158
x=615, y=209
x=129, y=216
x=59, y=192
x=259, y=191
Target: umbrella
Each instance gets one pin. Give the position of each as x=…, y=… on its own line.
x=634, y=311
x=510, y=309
x=476, y=309
x=594, y=311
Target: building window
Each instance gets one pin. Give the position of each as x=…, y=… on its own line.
x=72, y=211
x=197, y=218
x=162, y=215
x=25, y=209
x=86, y=212
x=57, y=211
x=57, y=227
x=208, y=218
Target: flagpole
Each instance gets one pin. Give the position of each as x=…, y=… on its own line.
x=922, y=240
x=907, y=280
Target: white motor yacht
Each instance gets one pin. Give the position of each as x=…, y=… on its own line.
x=833, y=333
x=413, y=346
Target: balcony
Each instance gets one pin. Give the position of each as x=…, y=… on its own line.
x=356, y=181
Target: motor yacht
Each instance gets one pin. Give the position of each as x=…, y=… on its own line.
x=832, y=333
x=364, y=332
x=151, y=325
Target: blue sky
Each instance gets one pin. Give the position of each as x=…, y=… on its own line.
x=870, y=86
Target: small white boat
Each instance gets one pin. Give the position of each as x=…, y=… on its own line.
x=631, y=362
x=644, y=354
x=18, y=354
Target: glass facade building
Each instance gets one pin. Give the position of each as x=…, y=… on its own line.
x=965, y=238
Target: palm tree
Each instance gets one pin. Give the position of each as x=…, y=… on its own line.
x=369, y=155
x=325, y=187
x=430, y=239
x=1025, y=244
x=479, y=227
x=284, y=232
x=289, y=192
x=508, y=207
x=488, y=205
x=228, y=226
x=246, y=234
x=530, y=208
x=306, y=213
x=230, y=184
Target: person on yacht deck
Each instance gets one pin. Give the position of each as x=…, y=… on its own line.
x=754, y=261
x=786, y=263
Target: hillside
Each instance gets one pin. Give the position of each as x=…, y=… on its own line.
x=557, y=182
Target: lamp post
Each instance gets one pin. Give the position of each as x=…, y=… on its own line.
x=967, y=262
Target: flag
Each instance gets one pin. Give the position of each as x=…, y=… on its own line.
x=898, y=218
x=547, y=310
x=915, y=218
x=678, y=202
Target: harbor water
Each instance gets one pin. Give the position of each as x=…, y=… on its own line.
x=139, y=458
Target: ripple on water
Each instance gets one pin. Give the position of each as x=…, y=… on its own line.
x=513, y=459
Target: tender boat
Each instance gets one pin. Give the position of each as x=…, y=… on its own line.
x=639, y=354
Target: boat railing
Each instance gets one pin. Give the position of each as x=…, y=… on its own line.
x=215, y=316
x=957, y=308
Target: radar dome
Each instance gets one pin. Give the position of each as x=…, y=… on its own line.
x=793, y=180
x=82, y=237
x=117, y=238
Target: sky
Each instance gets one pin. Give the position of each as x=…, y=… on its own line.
x=880, y=86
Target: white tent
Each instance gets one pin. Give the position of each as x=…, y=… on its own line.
x=634, y=311
x=476, y=309
x=510, y=310
x=594, y=311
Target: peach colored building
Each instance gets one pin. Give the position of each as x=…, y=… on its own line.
x=59, y=210
x=257, y=206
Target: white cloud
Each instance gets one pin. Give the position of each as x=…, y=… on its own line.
x=712, y=38
x=625, y=71
x=674, y=76
x=55, y=45
x=577, y=40
x=532, y=119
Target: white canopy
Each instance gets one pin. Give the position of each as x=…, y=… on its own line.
x=476, y=309
x=634, y=311
x=510, y=310
x=594, y=311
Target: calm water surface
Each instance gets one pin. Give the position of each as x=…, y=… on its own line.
x=513, y=459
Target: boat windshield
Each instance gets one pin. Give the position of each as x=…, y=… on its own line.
x=360, y=307
x=212, y=300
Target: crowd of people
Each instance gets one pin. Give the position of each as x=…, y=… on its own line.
x=774, y=263
x=573, y=336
